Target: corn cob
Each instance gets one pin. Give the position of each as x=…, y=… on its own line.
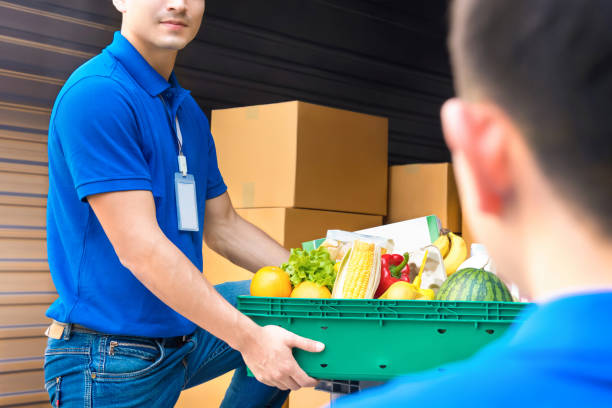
x=358, y=270
x=359, y=274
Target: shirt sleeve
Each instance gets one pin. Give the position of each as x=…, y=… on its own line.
x=215, y=184
x=98, y=132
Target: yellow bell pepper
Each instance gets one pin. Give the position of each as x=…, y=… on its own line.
x=426, y=294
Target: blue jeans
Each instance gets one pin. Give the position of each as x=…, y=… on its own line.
x=86, y=370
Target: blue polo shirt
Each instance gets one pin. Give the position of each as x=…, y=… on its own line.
x=561, y=356
x=111, y=131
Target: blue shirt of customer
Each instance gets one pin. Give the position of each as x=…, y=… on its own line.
x=111, y=131
x=561, y=356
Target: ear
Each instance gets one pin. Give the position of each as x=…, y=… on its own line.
x=120, y=5
x=480, y=135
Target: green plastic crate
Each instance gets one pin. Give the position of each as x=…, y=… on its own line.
x=381, y=339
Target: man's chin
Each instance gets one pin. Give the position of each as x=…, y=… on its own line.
x=175, y=44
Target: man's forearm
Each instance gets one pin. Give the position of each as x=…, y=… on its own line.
x=248, y=246
x=171, y=276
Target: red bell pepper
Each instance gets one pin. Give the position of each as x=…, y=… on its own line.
x=393, y=268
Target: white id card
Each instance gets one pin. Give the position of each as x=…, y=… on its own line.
x=186, y=202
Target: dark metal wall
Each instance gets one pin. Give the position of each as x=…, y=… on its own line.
x=384, y=57
x=381, y=57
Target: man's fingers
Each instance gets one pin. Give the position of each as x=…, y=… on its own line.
x=285, y=383
x=306, y=344
x=278, y=368
x=303, y=379
x=312, y=346
x=292, y=384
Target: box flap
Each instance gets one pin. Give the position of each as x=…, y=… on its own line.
x=409, y=234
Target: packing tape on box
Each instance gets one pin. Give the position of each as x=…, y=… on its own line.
x=411, y=169
x=248, y=194
x=251, y=112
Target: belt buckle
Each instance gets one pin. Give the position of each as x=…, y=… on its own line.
x=55, y=330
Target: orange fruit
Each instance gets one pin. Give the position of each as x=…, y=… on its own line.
x=271, y=281
x=308, y=289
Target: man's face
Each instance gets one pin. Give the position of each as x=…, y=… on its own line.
x=162, y=24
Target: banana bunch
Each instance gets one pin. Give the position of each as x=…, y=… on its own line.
x=454, y=251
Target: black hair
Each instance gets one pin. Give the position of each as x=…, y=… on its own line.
x=548, y=64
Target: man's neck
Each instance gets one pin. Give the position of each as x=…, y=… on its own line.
x=162, y=60
x=566, y=255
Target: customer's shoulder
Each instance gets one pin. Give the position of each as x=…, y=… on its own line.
x=506, y=377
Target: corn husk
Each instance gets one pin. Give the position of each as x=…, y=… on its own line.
x=344, y=273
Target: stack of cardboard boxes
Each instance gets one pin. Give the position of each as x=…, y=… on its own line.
x=296, y=170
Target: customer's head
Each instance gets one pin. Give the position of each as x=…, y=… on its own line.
x=161, y=24
x=531, y=130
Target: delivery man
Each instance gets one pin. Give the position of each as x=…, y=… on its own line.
x=531, y=139
x=134, y=187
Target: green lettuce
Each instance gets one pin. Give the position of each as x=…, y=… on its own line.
x=315, y=266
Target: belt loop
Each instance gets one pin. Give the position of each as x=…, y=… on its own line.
x=67, y=331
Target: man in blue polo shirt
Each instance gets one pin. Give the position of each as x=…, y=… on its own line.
x=134, y=187
x=531, y=139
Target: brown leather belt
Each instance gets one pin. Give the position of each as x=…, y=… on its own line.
x=56, y=331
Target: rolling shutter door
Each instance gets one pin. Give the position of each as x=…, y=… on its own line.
x=39, y=47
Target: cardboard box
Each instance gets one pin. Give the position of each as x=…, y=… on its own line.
x=299, y=155
x=211, y=393
x=288, y=226
x=418, y=190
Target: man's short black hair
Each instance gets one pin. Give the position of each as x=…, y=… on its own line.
x=548, y=64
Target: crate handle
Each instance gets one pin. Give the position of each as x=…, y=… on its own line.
x=383, y=366
x=323, y=365
x=324, y=327
x=490, y=331
x=441, y=331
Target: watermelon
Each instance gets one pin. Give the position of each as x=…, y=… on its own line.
x=474, y=284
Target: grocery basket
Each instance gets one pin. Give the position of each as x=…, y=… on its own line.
x=375, y=340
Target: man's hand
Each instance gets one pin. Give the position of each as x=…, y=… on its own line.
x=269, y=357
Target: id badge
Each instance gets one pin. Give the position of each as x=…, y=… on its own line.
x=186, y=202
